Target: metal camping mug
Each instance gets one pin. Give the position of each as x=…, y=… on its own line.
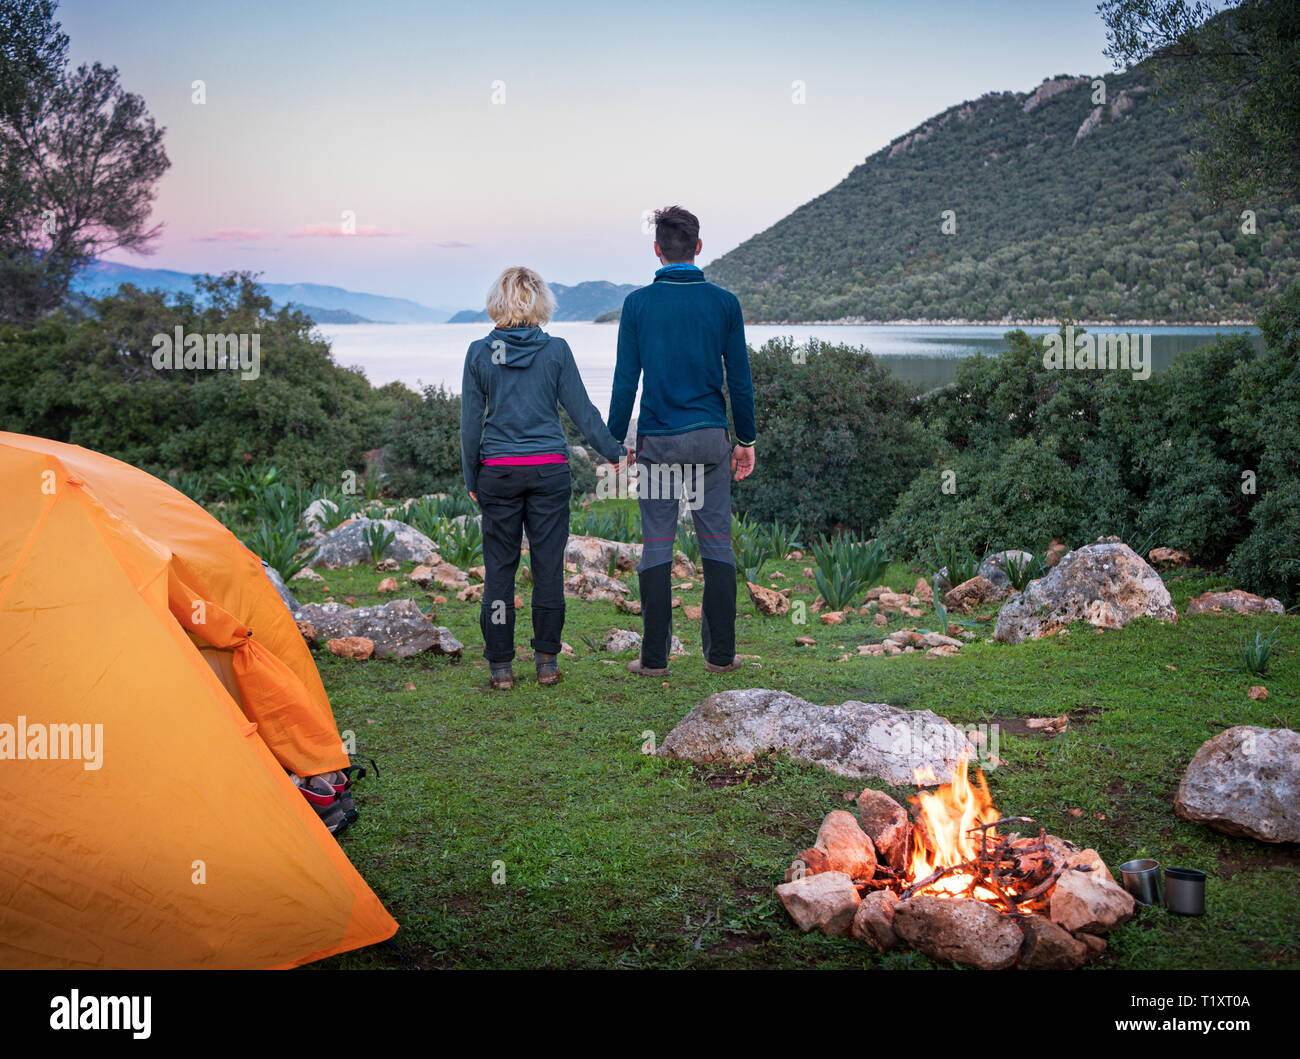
x=1185, y=891
x=1142, y=880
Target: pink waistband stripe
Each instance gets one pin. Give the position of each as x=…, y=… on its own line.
x=525, y=461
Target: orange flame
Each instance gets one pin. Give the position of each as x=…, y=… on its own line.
x=943, y=838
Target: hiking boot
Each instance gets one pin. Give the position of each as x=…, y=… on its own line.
x=322, y=797
x=502, y=676
x=733, y=665
x=548, y=669
x=640, y=669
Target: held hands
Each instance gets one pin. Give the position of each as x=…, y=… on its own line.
x=742, y=462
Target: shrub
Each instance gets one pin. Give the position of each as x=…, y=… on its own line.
x=840, y=433
x=423, y=453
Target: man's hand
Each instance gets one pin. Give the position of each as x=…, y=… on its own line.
x=742, y=462
x=474, y=497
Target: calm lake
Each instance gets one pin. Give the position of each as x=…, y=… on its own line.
x=431, y=354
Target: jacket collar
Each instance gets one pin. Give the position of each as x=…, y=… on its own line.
x=679, y=273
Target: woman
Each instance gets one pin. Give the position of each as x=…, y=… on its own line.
x=515, y=463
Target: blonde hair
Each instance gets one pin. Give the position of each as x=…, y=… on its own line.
x=520, y=298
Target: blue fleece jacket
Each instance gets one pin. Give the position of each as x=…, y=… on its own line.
x=508, y=393
x=686, y=337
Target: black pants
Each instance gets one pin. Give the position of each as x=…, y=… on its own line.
x=535, y=499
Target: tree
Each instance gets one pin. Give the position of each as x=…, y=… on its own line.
x=79, y=159
x=32, y=50
x=1239, y=69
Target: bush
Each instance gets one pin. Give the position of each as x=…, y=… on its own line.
x=91, y=381
x=423, y=453
x=840, y=433
x=1265, y=423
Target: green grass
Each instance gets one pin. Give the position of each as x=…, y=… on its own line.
x=613, y=858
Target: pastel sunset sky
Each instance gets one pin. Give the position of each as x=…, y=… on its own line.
x=385, y=108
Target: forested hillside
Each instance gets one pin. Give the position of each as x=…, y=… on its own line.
x=1061, y=206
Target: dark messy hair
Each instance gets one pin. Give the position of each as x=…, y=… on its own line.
x=676, y=231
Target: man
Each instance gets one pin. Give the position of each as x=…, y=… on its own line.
x=687, y=338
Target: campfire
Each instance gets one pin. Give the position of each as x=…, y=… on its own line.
x=955, y=879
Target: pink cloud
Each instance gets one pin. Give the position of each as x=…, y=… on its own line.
x=453, y=244
x=234, y=235
x=335, y=231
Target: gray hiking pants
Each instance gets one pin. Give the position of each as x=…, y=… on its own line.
x=694, y=467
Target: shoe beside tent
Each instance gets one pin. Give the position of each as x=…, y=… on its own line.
x=129, y=611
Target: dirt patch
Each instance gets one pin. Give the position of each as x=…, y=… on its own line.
x=1019, y=726
x=1267, y=859
x=734, y=774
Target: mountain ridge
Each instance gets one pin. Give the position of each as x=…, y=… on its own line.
x=102, y=277
x=1062, y=204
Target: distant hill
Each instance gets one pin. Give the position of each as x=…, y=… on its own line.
x=332, y=316
x=1062, y=206
x=104, y=276
x=582, y=301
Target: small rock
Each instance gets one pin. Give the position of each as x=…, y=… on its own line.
x=308, y=631
x=960, y=930
x=885, y=822
x=387, y=585
x=873, y=922
x=880, y=621
x=306, y=574
x=832, y=617
x=357, y=648
x=440, y=599
x=826, y=901
x=1048, y=947
x=387, y=566
x=1258, y=692
x=1091, y=942
x=470, y=593
x=410, y=686
x=1168, y=557
x=629, y=606
x=478, y=573
x=970, y=594
x=1050, y=725
x=1089, y=901
x=923, y=591
x=768, y=602
x=1234, y=602
x=805, y=641
x=422, y=576
x=693, y=612
x=845, y=846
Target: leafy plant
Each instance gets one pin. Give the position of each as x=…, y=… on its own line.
x=840, y=587
x=687, y=543
x=1020, y=573
x=462, y=544
x=279, y=546
x=374, y=484
x=1255, y=653
x=336, y=510
x=195, y=486
x=959, y=562
x=941, y=615
x=752, y=546
x=378, y=537
x=866, y=562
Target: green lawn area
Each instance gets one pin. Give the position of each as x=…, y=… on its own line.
x=613, y=858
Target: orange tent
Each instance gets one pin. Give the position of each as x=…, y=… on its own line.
x=153, y=691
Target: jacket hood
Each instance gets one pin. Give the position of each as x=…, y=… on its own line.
x=519, y=345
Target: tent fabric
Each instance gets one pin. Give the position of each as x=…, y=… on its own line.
x=188, y=845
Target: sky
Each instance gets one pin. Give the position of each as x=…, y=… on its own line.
x=458, y=139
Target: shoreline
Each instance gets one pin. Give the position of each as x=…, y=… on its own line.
x=1010, y=324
